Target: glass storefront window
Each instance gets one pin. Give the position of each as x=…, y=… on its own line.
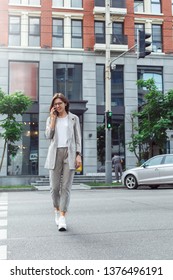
x=100, y=84
x=23, y=155
x=117, y=86
x=145, y=73
x=68, y=80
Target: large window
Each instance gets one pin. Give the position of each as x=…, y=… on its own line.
x=67, y=79
x=24, y=77
x=156, y=38
x=76, y=34
x=117, y=86
x=14, y=31
x=34, y=32
x=58, y=33
x=23, y=155
x=100, y=32
x=139, y=6
x=155, y=6
x=146, y=73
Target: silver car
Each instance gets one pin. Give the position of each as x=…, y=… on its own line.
x=156, y=171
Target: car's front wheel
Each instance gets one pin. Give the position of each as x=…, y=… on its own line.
x=131, y=182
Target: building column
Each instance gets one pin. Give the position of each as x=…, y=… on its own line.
x=67, y=32
x=24, y=29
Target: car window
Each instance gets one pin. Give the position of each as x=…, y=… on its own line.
x=155, y=161
x=168, y=159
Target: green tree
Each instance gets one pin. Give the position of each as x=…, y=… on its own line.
x=151, y=122
x=12, y=105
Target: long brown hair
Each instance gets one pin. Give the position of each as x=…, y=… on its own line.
x=63, y=98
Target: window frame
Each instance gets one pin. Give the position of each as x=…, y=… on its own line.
x=74, y=6
x=157, y=42
x=14, y=33
x=67, y=84
x=151, y=71
x=139, y=6
x=76, y=36
x=156, y=5
x=57, y=35
x=100, y=39
x=30, y=34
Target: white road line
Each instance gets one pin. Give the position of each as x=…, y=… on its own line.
x=3, y=252
x=3, y=196
x=3, y=214
x=3, y=234
x=3, y=207
x=3, y=203
x=3, y=223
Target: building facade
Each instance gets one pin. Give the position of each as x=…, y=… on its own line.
x=59, y=46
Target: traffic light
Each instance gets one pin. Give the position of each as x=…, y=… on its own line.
x=109, y=119
x=143, y=44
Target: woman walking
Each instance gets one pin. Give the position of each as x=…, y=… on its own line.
x=64, y=154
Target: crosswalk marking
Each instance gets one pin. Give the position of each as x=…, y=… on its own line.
x=3, y=214
x=3, y=252
x=3, y=207
x=3, y=225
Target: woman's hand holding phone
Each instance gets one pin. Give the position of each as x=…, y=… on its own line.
x=53, y=113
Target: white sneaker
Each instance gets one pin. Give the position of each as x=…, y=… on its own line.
x=62, y=224
x=114, y=181
x=56, y=217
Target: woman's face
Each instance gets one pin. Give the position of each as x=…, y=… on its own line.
x=59, y=105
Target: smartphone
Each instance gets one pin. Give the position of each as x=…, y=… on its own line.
x=55, y=112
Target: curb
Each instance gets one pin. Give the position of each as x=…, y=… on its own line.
x=17, y=189
x=75, y=187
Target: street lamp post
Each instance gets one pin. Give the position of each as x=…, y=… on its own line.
x=108, y=131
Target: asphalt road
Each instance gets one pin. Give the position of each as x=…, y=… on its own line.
x=106, y=224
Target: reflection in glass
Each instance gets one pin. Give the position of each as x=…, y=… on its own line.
x=68, y=80
x=23, y=155
x=145, y=73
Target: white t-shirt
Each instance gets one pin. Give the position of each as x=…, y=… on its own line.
x=62, y=130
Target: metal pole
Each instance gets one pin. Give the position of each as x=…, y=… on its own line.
x=108, y=132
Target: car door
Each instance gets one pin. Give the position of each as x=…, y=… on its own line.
x=166, y=170
x=150, y=174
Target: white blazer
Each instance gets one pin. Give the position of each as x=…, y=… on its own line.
x=73, y=142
